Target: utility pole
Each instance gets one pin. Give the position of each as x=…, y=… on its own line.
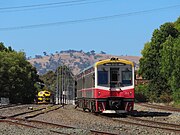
x=57, y=87
x=68, y=86
x=60, y=91
x=62, y=83
x=65, y=84
x=73, y=94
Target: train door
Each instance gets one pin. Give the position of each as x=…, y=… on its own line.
x=114, y=77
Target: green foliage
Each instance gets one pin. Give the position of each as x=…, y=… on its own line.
x=177, y=24
x=49, y=80
x=146, y=69
x=141, y=93
x=17, y=76
x=3, y=48
x=177, y=104
x=175, y=78
x=161, y=63
x=167, y=62
x=165, y=97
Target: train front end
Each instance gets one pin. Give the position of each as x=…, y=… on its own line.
x=44, y=97
x=114, y=86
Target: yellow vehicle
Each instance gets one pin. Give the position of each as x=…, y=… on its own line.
x=44, y=96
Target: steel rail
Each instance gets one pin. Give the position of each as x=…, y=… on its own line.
x=140, y=124
x=19, y=121
x=156, y=122
x=29, y=126
x=145, y=125
x=30, y=123
x=166, y=108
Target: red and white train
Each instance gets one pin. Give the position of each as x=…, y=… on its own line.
x=107, y=86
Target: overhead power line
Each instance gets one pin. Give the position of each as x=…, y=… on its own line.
x=86, y=20
x=40, y=5
x=47, y=5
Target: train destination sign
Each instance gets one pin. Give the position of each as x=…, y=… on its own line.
x=114, y=64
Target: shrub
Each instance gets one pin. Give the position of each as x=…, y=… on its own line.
x=165, y=98
x=141, y=93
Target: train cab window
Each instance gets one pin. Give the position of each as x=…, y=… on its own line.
x=127, y=78
x=46, y=92
x=103, y=78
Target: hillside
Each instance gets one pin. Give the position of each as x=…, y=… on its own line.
x=75, y=60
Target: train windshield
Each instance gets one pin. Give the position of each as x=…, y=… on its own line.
x=103, y=78
x=114, y=76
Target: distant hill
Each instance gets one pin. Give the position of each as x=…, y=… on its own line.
x=75, y=60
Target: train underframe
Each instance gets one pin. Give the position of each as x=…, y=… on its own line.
x=106, y=105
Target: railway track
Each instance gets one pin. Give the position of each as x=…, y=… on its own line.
x=177, y=126
x=27, y=124
x=148, y=123
x=24, y=111
x=34, y=112
x=23, y=119
x=9, y=106
x=11, y=110
x=165, y=108
x=52, y=127
x=130, y=120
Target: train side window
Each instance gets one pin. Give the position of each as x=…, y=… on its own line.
x=79, y=84
x=88, y=81
x=93, y=80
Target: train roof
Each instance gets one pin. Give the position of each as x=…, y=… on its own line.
x=112, y=60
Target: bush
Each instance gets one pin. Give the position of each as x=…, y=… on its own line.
x=166, y=98
x=176, y=97
x=177, y=104
x=149, y=92
x=141, y=93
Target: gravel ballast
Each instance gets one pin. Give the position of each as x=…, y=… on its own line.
x=84, y=121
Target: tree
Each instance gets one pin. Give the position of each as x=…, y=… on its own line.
x=175, y=80
x=45, y=53
x=167, y=62
x=38, y=57
x=157, y=63
x=177, y=24
x=102, y=52
x=17, y=77
x=170, y=65
x=92, y=52
x=49, y=80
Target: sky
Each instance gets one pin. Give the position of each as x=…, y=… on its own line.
x=125, y=26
